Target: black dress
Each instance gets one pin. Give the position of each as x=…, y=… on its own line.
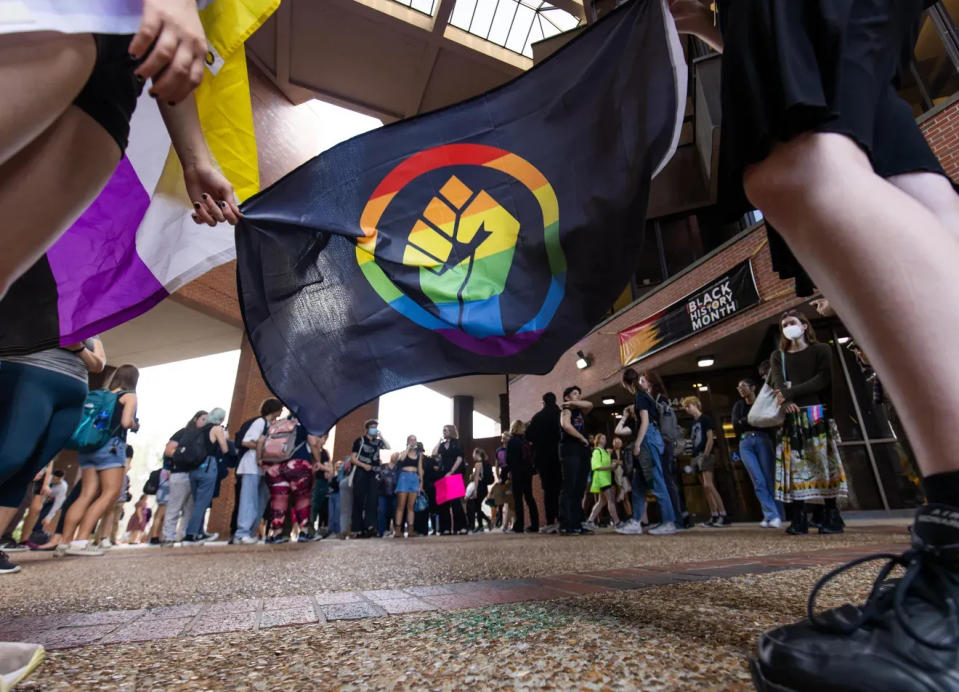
x=795, y=66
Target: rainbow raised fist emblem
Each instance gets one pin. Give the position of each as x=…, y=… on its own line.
x=462, y=246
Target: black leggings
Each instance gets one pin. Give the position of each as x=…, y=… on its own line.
x=574, y=461
x=523, y=489
x=39, y=410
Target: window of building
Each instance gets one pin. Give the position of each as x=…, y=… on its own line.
x=424, y=6
x=933, y=74
x=512, y=24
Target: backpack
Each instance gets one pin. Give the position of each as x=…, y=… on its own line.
x=153, y=483
x=280, y=442
x=234, y=461
x=192, y=450
x=668, y=424
x=94, y=430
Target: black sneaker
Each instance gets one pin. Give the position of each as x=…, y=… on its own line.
x=276, y=540
x=7, y=567
x=11, y=546
x=904, y=637
x=155, y=540
x=724, y=520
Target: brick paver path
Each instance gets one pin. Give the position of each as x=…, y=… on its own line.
x=116, y=626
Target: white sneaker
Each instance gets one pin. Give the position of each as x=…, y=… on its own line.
x=764, y=524
x=590, y=525
x=630, y=528
x=664, y=529
x=105, y=544
x=89, y=550
x=247, y=540
x=775, y=523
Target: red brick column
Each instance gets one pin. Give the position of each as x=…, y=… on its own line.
x=249, y=391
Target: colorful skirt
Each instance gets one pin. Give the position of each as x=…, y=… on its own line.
x=808, y=466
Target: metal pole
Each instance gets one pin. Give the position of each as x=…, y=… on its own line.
x=862, y=424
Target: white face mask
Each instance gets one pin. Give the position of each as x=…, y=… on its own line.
x=793, y=332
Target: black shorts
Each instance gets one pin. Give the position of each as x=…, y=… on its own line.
x=110, y=94
x=791, y=67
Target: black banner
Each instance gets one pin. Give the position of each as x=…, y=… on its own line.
x=728, y=295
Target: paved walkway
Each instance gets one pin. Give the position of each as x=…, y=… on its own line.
x=62, y=631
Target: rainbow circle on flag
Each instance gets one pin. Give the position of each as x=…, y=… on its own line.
x=482, y=331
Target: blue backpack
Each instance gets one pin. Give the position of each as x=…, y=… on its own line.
x=93, y=431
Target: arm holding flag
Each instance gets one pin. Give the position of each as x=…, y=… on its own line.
x=211, y=193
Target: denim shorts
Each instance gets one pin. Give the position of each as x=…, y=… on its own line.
x=110, y=456
x=408, y=482
x=163, y=493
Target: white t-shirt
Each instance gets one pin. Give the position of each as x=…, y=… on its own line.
x=58, y=491
x=248, y=460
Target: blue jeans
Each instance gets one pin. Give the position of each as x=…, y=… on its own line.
x=202, y=484
x=756, y=451
x=385, y=511
x=254, y=495
x=650, y=455
x=333, y=512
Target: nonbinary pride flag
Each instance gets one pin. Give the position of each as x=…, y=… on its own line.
x=136, y=243
x=487, y=237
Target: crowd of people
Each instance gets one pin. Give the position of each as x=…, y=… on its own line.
x=288, y=487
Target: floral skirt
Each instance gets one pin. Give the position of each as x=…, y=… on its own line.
x=808, y=466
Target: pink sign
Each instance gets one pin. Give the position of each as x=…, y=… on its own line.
x=450, y=488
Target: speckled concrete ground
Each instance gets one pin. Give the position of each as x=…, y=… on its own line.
x=691, y=636
x=153, y=577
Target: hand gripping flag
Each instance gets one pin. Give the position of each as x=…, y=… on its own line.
x=136, y=244
x=487, y=237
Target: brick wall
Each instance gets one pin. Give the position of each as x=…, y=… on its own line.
x=602, y=345
x=942, y=132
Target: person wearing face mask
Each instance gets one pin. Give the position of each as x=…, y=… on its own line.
x=366, y=458
x=808, y=466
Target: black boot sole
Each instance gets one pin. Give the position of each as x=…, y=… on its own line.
x=760, y=681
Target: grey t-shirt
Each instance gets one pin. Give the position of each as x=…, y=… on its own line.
x=58, y=360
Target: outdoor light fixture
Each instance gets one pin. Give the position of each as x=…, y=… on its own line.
x=843, y=340
x=581, y=362
x=609, y=401
x=704, y=387
x=706, y=361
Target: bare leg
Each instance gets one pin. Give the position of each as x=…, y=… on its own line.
x=111, y=481
x=611, y=503
x=935, y=193
x=35, y=505
x=6, y=515
x=597, y=507
x=158, y=518
x=47, y=185
x=41, y=74
x=89, y=491
x=402, y=500
x=707, y=485
x=856, y=235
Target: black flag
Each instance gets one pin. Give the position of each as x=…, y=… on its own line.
x=486, y=237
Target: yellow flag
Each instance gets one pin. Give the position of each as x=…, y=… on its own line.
x=223, y=98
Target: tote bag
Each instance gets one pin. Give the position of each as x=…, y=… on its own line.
x=765, y=412
x=449, y=488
